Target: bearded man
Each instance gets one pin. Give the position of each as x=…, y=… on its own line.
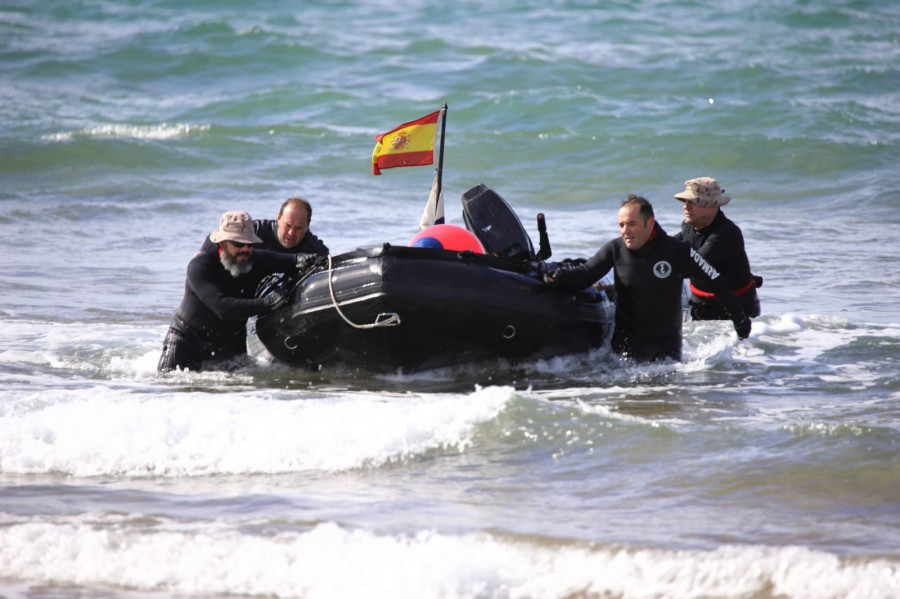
x=209, y=329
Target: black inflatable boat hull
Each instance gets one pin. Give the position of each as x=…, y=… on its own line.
x=438, y=307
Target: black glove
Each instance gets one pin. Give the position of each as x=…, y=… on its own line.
x=275, y=299
x=556, y=278
x=742, y=327
x=306, y=261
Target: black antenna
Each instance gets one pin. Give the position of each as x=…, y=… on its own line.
x=544, y=252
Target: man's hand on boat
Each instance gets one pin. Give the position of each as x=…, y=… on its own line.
x=556, y=277
x=306, y=261
x=554, y=273
x=547, y=271
x=276, y=299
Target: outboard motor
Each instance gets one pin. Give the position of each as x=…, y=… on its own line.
x=495, y=225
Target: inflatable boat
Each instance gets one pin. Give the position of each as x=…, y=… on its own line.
x=446, y=300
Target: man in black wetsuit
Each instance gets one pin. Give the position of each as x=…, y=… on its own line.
x=648, y=266
x=721, y=243
x=209, y=329
x=288, y=233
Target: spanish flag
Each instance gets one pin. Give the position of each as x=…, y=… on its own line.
x=410, y=144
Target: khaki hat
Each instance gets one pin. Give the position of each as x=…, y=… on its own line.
x=235, y=226
x=703, y=191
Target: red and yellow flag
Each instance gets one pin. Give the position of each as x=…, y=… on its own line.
x=410, y=144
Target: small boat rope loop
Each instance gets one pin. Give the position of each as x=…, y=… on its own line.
x=382, y=320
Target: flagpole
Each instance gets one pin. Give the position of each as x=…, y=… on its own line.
x=440, y=166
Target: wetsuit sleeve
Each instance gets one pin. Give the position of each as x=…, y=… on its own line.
x=312, y=245
x=271, y=262
x=212, y=293
x=697, y=266
x=585, y=275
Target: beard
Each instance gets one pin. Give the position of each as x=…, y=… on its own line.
x=233, y=266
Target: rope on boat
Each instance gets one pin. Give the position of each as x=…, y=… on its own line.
x=390, y=321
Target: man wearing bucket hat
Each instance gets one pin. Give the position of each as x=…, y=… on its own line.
x=721, y=243
x=209, y=329
x=649, y=267
x=288, y=233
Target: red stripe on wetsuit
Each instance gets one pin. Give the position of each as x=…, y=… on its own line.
x=708, y=296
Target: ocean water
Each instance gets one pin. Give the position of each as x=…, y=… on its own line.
x=763, y=468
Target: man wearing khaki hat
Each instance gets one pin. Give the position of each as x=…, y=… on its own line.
x=209, y=329
x=721, y=243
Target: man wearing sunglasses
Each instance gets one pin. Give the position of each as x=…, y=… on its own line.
x=209, y=329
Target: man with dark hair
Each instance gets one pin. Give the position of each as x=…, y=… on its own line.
x=721, y=243
x=648, y=266
x=288, y=233
x=209, y=329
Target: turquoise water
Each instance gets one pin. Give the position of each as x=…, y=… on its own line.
x=763, y=468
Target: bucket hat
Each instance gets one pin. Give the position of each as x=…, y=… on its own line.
x=235, y=226
x=703, y=191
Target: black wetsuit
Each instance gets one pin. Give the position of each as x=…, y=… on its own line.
x=722, y=244
x=210, y=325
x=267, y=230
x=648, y=284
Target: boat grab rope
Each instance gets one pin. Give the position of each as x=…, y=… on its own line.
x=391, y=320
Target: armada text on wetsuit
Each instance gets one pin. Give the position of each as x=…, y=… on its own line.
x=722, y=245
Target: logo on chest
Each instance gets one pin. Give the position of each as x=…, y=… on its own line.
x=662, y=269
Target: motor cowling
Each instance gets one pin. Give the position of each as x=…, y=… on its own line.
x=495, y=224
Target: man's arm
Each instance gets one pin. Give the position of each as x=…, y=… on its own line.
x=272, y=262
x=703, y=270
x=211, y=292
x=585, y=275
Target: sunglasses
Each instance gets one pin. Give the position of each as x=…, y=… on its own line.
x=238, y=244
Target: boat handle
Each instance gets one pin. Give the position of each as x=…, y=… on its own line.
x=387, y=319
